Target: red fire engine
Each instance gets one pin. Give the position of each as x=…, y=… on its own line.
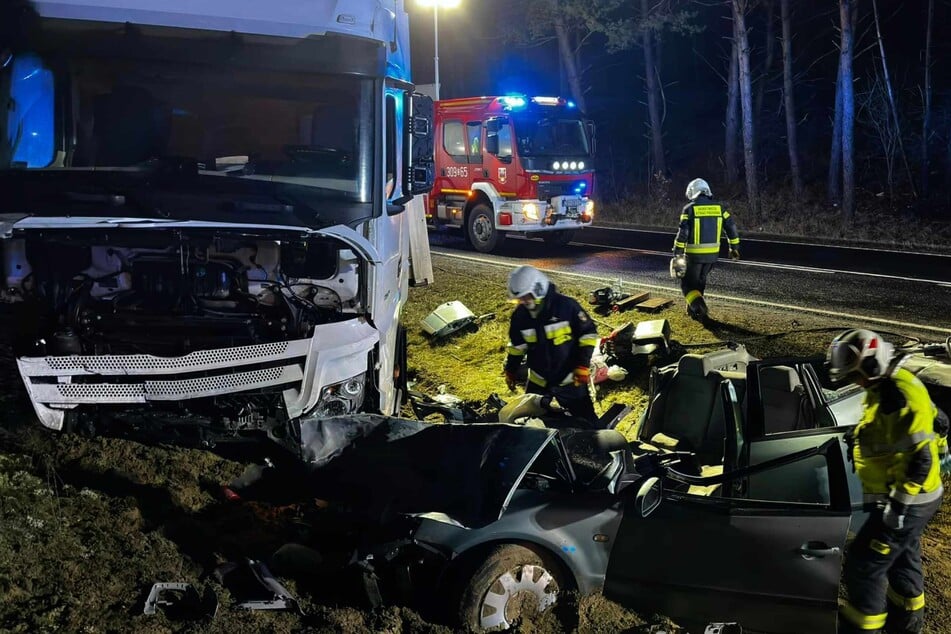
x=512, y=164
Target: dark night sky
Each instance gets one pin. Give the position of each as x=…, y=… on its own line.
x=475, y=60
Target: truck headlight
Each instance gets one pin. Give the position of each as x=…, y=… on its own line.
x=338, y=399
x=587, y=214
x=530, y=210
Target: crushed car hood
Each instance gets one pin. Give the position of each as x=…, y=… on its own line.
x=388, y=465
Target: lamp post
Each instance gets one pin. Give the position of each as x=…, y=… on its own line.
x=435, y=4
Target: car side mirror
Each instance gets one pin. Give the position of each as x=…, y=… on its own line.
x=592, y=136
x=492, y=144
x=418, y=145
x=649, y=496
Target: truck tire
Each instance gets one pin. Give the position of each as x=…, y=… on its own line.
x=480, y=229
x=512, y=583
x=558, y=238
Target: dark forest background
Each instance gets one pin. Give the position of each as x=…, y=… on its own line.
x=899, y=164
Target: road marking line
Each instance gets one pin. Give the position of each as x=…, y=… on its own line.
x=605, y=280
x=792, y=267
x=798, y=244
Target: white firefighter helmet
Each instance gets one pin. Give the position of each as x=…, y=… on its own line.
x=527, y=280
x=859, y=352
x=696, y=187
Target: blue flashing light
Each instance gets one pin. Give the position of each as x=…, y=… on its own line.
x=580, y=187
x=513, y=102
x=571, y=104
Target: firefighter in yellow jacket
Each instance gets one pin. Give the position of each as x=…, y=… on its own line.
x=896, y=455
x=697, y=245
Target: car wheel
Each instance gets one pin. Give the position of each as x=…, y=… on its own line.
x=513, y=583
x=558, y=238
x=482, y=234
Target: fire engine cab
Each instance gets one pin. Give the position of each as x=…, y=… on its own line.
x=512, y=164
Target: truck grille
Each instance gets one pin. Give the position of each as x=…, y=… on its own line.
x=549, y=189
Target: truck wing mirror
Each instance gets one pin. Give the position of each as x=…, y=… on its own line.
x=492, y=144
x=418, y=145
x=592, y=137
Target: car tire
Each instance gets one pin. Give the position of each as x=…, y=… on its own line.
x=514, y=582
x=558, y=238
x=480, y=229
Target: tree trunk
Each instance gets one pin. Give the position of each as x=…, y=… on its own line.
x=926, y=115
x=768, y=66
x=891, y=101
x=732, y=115
x=746, y=105
x=653, y=96
x=789, y=100
x=834, y=187
x=568, y=59
x=846, y=7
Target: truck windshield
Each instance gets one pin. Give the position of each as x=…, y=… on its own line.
x=551, y=136
x=305, y=129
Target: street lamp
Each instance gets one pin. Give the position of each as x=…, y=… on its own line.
x=435, y=4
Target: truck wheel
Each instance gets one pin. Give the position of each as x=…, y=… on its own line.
x=513, y=583
x=482, y=234
x=558, y=238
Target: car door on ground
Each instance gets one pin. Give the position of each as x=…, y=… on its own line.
x=748, y=551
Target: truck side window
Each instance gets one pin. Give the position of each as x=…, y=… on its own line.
x=505, y=141
x=454, y=140
x=474, y=134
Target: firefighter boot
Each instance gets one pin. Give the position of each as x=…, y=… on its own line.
x=697, y=309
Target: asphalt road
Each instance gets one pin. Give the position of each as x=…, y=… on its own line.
x=887, y=289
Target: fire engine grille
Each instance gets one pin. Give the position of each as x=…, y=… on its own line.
x=219, y=358
x=112, y=393
x=549, y=189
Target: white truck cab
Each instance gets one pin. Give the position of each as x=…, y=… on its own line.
x=209, y=222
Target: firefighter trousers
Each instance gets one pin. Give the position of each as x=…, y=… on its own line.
x=694, y=283
x=883, y=576
x=574, y=398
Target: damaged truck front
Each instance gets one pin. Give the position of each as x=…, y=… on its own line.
x=208, y=222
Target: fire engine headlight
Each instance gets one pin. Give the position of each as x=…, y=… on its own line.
x=589, y=209
x=556, y=165
x=573, y=165
x=530, y=210
x=341, y=398
x=580, y=165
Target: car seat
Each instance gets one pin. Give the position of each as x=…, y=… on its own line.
x=687, y=414
x=785, y=407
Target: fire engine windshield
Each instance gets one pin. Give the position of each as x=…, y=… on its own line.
x=551, y=135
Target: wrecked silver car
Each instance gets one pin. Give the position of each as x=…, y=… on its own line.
x=494, y=521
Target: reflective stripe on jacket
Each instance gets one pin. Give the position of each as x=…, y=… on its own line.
x=896, y=449
x=556, y=342
x=702, y=221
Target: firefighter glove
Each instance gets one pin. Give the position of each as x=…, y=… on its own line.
x=581, y=375
x=678, y=266
x=510, y=381
x=894, y=515
x=734, y=254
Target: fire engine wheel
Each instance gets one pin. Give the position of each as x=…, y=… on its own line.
x=558, y=238
x=482, y=234
x=512, y=583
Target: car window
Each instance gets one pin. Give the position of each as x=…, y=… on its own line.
x=832, y=392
